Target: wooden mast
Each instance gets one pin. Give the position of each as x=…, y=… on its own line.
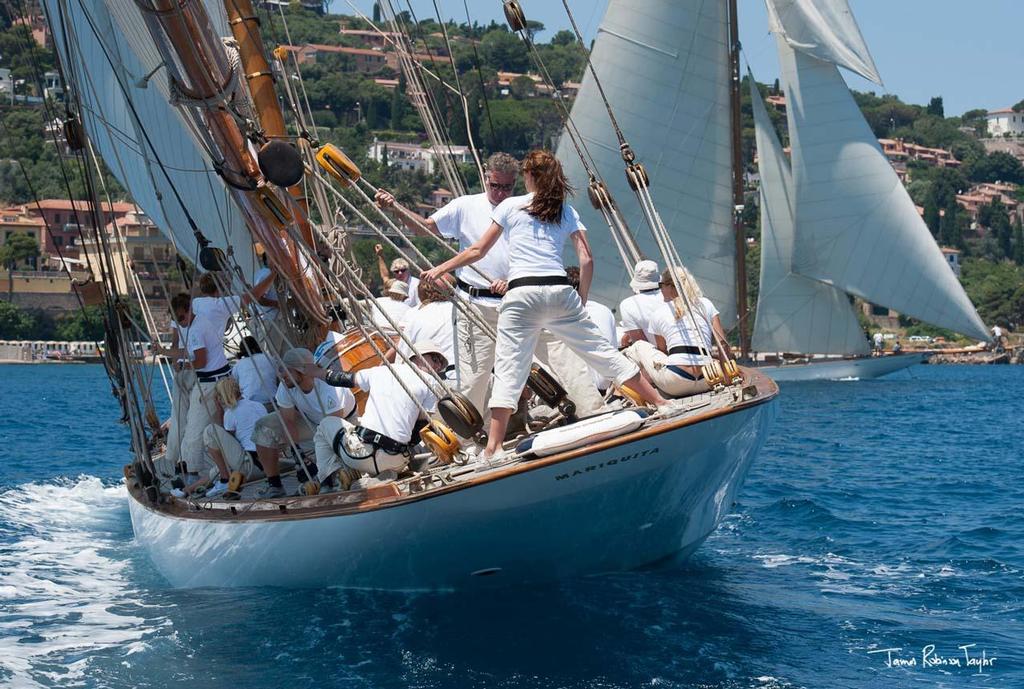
x=737, y=183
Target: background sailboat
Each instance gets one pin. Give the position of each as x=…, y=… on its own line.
x=838, y=221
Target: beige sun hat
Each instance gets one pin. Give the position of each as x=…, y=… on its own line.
x=645, y=276
x=424, y=347
x=398, y=287
x=297, y=357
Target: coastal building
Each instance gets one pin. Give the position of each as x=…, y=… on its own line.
x=137, y=246
x=984, y=194
x=16, y=221
x=414, y=157
x=531, y=84
x=1005, y=122
x=900, y=153
x=63, y=218
x=952, y=257
x=379, y=40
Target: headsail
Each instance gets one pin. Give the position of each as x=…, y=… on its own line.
x=109, y=48
x=794, y=313
x=665, y=70
x=824, y=29
x=856, y=226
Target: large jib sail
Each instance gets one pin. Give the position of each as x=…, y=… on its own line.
x=794, y=313
x=664, y=65
x=855, y=226
x=142, y=138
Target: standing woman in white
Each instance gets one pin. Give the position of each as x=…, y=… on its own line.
x=539, y=294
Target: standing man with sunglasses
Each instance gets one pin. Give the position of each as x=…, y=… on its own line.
x=464, y=219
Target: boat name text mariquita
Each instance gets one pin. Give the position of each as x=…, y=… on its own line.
x=609, y=463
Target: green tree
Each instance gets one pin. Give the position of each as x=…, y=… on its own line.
x=949, y=234
x=997, y=167
x=82, y=325
x=931, y=215
x=504, y=51
x=19, y=248
x=15, y=323
x=936, y=108
x=1018, y=243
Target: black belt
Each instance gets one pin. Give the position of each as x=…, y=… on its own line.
x=211, y=376
x=476, y=291
x=539, y=281
x=685, y=349
x=681, y=372
x=389, y=445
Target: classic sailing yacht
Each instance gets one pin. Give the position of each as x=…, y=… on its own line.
x=197, y=149
x=835, y=222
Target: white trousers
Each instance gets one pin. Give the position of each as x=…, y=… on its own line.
x=356, y=454
x=573, y=373
x=201, y=409
x=525, y=311
x=237, y=459
x=655, y=364
x=181, y=391
x=476, y=355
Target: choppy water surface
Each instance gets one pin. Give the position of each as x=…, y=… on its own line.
x=881, y=515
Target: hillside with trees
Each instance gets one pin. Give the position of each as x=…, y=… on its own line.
x=352, y=108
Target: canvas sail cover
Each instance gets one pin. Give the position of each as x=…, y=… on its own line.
x=108, y=49
x=825, y=29
x=856, y=226
x=664, y=65
x=794, y=313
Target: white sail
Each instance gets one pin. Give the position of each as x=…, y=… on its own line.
x=108, y=49
x=825, y=29
x=856, y=226
x=664, y=65
x=794, y=313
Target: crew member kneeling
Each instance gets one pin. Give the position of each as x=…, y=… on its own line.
x=382, y=439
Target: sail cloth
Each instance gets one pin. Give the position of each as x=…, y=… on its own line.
x=664, y=65
x=108, y=48
x=825, y=29
x=856, y=226
x=794, y=313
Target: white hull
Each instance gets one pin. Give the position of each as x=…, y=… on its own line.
x=860, y=368
x=615, y=509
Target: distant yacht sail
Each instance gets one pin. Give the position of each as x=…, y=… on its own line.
x=794, y=313
x=856, y=227
x=665, y=69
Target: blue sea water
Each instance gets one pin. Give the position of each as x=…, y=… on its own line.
x=881, y=515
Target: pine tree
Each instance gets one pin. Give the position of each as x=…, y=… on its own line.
x=949, y=235
x=931, y=215
x=1018, y=242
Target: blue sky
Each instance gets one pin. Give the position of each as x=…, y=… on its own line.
x=972, y=54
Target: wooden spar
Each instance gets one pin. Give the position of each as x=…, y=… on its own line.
x=204, y=66
x=245, y=27
x=737, y=183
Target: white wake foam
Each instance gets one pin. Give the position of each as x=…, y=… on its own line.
x=64, y=593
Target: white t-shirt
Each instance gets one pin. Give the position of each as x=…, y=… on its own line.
x=635, y=312
x=218, y=309
x=326, y=352
x=878, y=339
x=604, y=319
x=268, y=312
x=207, y=334
x=534, y=247
x=322, y=400
x=680, y=333
x=432, y=322
x=414, y=292
x=394, y=308
x=389, y=410
x=466, y=219
x=997, y=331
x=257, y=377
x=241, y=419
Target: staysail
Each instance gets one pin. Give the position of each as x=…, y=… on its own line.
x=794, y=313
x=665, y=69
x=109, y=49
x=856, y=227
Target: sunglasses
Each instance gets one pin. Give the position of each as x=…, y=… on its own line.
x=501, y=187
x=399, y=271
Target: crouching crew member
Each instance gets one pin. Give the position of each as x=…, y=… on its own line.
x=382, y=439
x=303, y=401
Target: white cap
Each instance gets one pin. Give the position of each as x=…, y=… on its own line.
x=645, y=276
x=398, y=287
